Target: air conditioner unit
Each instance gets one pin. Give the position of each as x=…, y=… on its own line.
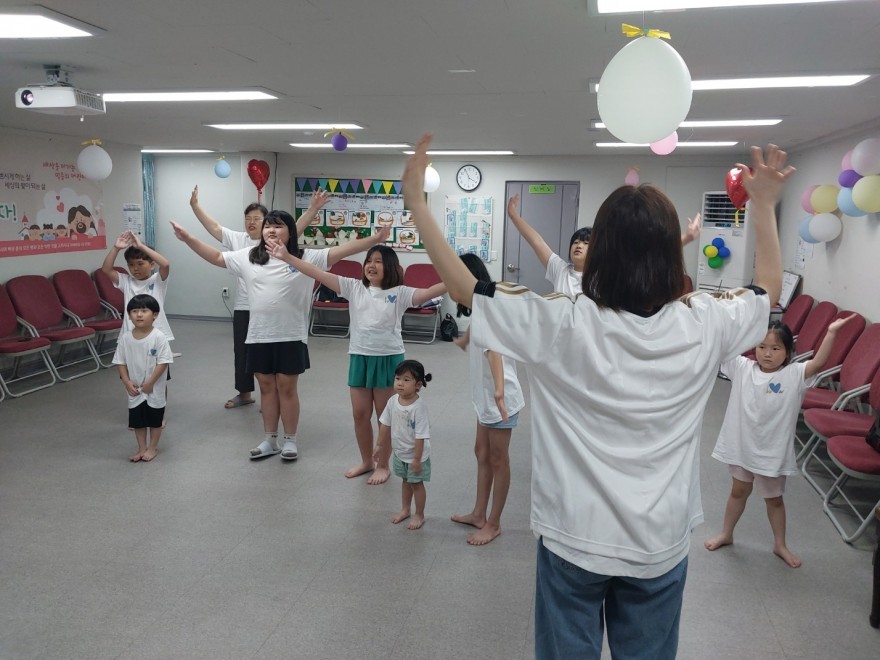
x=721, y=220
x=59, y=100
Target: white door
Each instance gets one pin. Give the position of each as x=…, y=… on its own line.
x=552, y=209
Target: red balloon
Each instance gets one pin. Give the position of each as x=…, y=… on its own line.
x=736, y=192
x=258, y=171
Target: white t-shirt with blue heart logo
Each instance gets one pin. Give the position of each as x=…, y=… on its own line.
x=375, y=316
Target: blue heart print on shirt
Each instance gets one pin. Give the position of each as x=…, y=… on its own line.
x=776, y=388
x=391, y=298
x=153, y=352
x=292, y=269
x=151, y=286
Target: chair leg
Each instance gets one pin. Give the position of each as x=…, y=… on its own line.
x=812, y=455
x=7, y=390
x=806, y=446
x=93, y=356
x=837, y=489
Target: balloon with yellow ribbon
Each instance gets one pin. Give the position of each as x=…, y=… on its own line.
x=340, y=138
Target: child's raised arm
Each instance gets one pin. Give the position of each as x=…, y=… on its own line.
x=692, y=232
x=339, y=252
x=454, y=273
x=421, y=296
x=533, y=238
x=121, y=243
x=496, y=366
x=210, y=254
x=316, y=203
x=815, y=365
x=214, y=228
x=164, y=264
x=764, y=186
x=278, y=250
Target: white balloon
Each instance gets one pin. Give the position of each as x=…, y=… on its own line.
x=825, y=227
x=94, y=163
x=432, y=179
x=645, y=91
x=866, y=157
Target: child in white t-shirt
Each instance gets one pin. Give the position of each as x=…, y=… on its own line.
x=143, y=356
x=376, y=305
x=756, y=437
x=404, y=425
x=498, y=399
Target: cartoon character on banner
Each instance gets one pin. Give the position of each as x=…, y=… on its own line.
x=716, y=253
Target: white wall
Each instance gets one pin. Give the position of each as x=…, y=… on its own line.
x=846, y=270
x=196, y=286
x=125, y=184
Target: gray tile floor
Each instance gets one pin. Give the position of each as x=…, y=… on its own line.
x=204, y=554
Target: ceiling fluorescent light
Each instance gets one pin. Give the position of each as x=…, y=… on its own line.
x=777, y=82
x=41, y=23
x=624, y=6
x=351, y=145
x=268, y=126
x=151, y=150
x=133, y=97
x=469, y=152
x=613, y=145
x=712, y=123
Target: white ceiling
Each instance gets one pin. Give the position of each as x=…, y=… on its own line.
x=384, y=64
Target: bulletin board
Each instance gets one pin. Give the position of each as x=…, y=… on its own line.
x=357, y=208
x=469, y=224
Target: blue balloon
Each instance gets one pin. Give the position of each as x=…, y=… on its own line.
x=846, y=204
x=804, y=230
x=718, y=242
x=724, y=252
x=222, y=169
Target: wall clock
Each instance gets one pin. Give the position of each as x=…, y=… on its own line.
x=468, y=177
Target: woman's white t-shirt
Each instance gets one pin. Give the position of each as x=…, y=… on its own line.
x=562, y=275
x=238, y=240
x=375, y=316
x=154, y=286
x=408, y=424
x=617, y=407
x=279, y=296
x=483, y=386
x=140, y=357
x=761, y=417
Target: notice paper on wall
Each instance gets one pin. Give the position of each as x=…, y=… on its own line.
x=468, y=227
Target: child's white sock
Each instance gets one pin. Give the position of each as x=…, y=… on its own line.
x=272, y=438
x=288, y=437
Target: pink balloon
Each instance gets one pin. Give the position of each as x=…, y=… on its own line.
x=632, y=177
x=846, y=163
x=806, y=204
x=665, y=146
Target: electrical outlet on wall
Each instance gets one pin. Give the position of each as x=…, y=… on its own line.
x=224, y=292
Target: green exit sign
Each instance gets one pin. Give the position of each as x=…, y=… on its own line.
x=542, y=189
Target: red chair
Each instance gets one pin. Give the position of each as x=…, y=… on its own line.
x=856, y=459
x=81, y=302
x=15, y=346
x=42, y=315
x=796, y=313
x=342, y=268
x=813, y=330
x=112, y=299
x=421, y=276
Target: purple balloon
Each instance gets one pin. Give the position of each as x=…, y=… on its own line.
x=848, y=178
x=339, y=142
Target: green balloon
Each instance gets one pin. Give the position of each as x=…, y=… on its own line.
x=716, y=262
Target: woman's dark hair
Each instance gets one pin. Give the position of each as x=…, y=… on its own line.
x=414, y=368
x=393, y=273
x=259, y=255
x=478, y=270
x=635, y=261
x=582, y=234
x=143, y=301
x=256, y=207
x=783, y=333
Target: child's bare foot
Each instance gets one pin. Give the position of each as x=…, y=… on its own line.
x=470, y=519
x=358, y=470
x=486, y=534
x=134, y=458
x=416, y=522
x=149, y=454
x=400, y=516
x=380, y=476
x=718, y=541
x=787, y=556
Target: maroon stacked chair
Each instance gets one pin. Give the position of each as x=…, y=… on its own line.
x=14, y=346
x=40, y=312
x=813, y=329
x=111, y=298
x=422, y=276
x=319, y=328
x=797, y=311
x=81, y=302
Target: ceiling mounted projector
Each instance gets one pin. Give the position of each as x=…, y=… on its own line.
x=58, y=96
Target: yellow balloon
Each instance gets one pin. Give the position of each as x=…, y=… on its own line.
x=866, y=194
x=824, y=199
x=710, y=251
